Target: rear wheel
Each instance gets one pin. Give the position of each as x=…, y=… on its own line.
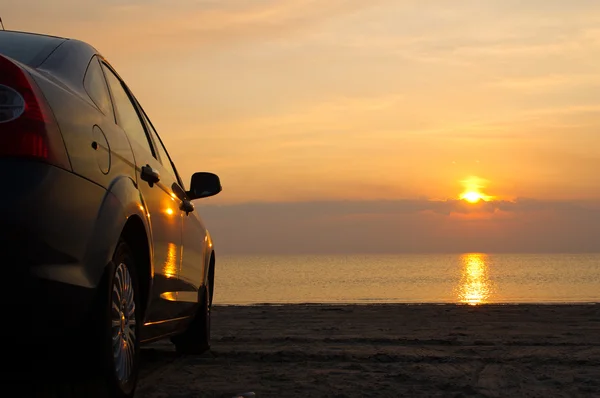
x=104, y=363
x=196, y=338
x=116, y=357
x=122, y=338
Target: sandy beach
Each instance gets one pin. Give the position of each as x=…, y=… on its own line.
x=386, y=351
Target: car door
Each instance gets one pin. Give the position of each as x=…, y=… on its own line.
x=195, y=246
x=192, y=254
x=155, y=185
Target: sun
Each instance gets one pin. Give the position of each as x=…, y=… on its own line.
x=472, y=196
x=473, y=187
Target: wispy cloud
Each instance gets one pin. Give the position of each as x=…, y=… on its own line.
x=546, y=83
x=170, y=27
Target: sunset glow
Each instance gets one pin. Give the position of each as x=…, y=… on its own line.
x=473, y=190
x=472, y=197
x=391, y=89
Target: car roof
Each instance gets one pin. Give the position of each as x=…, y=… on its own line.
x=19, y=32
x=64, y=59
x=28, y=48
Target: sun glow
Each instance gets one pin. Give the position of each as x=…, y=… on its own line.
x=472, y=190
x=472, y=197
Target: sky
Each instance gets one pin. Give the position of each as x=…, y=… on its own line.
x=352, y=125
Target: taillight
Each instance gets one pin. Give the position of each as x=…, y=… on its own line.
x=27, y=125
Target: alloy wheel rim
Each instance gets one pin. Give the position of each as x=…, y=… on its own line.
x=123, y=323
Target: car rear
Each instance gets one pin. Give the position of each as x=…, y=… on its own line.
x=46, y=211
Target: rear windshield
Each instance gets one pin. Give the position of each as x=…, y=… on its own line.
x=27, y=48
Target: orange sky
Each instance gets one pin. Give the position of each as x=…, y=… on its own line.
x=351, y=100
x=302, y=99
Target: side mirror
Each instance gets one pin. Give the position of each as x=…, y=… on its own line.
x=204, y=185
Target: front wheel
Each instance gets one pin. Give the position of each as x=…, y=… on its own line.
x=196, y=338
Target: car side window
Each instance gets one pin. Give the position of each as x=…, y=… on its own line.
x=162, y=151
x=127, y=115
x=95, y=85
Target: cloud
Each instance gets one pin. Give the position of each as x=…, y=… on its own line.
x=546, y=83
x=524, y=225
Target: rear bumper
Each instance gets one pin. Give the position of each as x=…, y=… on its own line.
x=46, y=220
x=46, y=330
x=44, y=312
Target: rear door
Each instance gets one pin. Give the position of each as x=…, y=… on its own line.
x=155, y=183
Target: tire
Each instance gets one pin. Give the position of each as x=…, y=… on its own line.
x=196, y=338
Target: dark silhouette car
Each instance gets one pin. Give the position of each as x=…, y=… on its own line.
x=102, y=248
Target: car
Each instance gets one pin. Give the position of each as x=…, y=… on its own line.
x=103, y=249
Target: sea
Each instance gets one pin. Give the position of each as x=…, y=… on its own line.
x=468, y=278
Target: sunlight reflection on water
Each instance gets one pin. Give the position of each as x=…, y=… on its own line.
x=475, y=286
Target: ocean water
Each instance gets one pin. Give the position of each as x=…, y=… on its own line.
x=470, y=278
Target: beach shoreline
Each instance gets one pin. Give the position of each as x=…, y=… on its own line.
x=387, y=350
x=401, y=304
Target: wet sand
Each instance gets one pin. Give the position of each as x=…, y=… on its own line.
x=386, y=351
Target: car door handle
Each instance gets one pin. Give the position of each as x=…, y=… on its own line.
x=187, y=206
x=150, y=175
